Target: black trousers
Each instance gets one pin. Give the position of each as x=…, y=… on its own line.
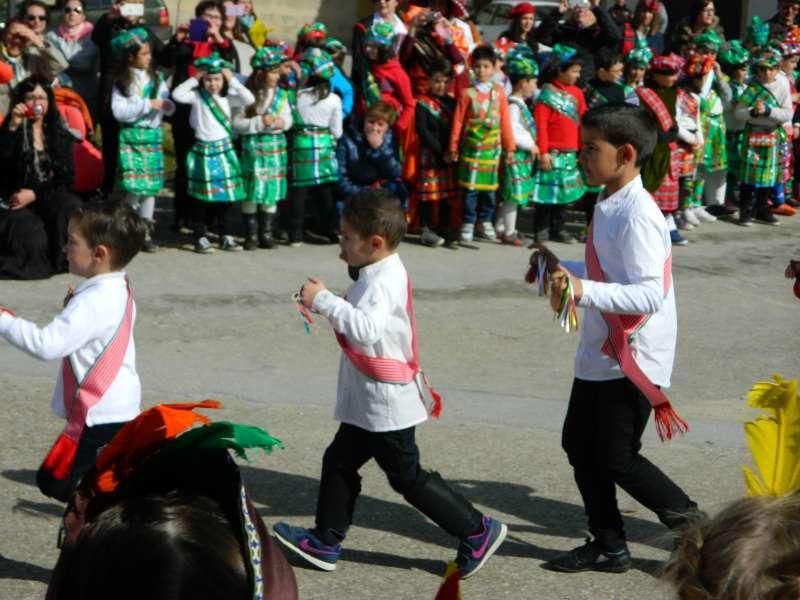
x=548, y=217
x=110, y=149
x=319, y=199
x=397, y=455
x=183, y=138
x=221, y=214
x=602, y=438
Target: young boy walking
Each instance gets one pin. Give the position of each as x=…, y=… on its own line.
x=98, y=388
x=627, y=343
x=379, y=396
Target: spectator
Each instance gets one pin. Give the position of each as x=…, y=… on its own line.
x=787, y=16
x=383, y=11
x=702, y=18
x=233, y=31
x=28, y=53
x=36, y=152
x=521, y=30
x=620, y=12
x=648, y=22
x=73, y=38
x=252, y=26
x=587, y=28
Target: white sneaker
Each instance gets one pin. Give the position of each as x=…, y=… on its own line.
x=229, y=244
x=486, y=232
x=691, y=217
x=203, y=246
x=431, y=238
x=703, y=215
x=467, y=231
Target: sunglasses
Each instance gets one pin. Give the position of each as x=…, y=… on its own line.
x=41, y=18
x=73, y=9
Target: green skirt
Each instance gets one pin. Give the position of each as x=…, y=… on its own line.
x=141, y=160
x=760, y=163
x=563, y=184
x=264, y=164
x=733, y=144
x=715, y=150
x=214, y=173
x=479, y=164
x=517, y=181
x=314, y=157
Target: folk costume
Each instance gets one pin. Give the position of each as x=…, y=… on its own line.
x=481, y=129
x=785, y=187
x=558, y=113
x=98, y=388
x=264, y=156
x=690, y=137
x=317, y=127
x=733, y=58
x=214, y=172
x=140, y=171
x=639, y=57
x=762, y=137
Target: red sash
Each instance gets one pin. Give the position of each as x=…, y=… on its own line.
x=621, y=329
x=391, y=370
x=79, y=397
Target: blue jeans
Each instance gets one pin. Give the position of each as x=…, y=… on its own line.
x=478, y=207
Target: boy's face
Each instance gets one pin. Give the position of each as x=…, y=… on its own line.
x=612, y=74
x=438, y=84
x=600, y=160
x=570, y=76
x=767, y=74
x=80, y=255
x=355, y=250
x=740, y=74
x=483, y=69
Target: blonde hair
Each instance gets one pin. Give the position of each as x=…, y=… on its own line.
x=749, y=551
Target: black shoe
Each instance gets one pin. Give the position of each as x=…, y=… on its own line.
x=591, y=557
x=562, y=237
x=720, y=210
x=251, y=232
x=539, y=237
x=265, y=226
x=149, y=244
x=764, y=215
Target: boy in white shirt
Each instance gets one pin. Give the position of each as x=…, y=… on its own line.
x=379, y=396
x=627, y=341
x=98, y=388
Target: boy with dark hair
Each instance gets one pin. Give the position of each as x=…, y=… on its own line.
x=627, y=344
x=379, y=398
x=97, y=389
x=607, y=85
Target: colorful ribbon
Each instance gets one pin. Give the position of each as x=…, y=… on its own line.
x=305, y=314
x=567, y=313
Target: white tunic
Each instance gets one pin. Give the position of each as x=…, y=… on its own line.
x=374, y=319
x=201, y=119
x=250, y=125
x=82, y=331
x=134, y=106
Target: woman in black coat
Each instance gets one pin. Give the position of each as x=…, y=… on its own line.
x=36, y=153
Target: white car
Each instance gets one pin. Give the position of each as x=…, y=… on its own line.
x=493, y=18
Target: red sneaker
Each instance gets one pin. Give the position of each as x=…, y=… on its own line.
x=783, y=210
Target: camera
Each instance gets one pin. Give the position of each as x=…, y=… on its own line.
x=34, y=111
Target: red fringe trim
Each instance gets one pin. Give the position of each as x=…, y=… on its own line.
x=668, y=423
x=61, y=457
x=438, y=404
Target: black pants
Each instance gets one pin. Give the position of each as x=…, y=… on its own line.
x=221, y=214
x=110, y=149
x=548, y=217
x=92, y=440
x=319, y=199
x=397, y=455
x=183, y=138
x=602, y=438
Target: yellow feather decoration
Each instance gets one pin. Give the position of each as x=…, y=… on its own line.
x=774, y=438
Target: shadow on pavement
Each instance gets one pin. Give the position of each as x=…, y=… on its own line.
x=38, y=509
x=14, y=569
x=24, y=476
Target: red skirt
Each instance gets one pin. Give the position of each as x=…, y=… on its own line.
x=434, y=183
x=667, y=195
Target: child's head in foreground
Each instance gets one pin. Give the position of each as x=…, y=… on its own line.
x=483, y=59
x=103, y=238
x=373, y=225
x=617, y=139
x=751, y=550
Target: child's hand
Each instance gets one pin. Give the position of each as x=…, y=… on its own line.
x=157, y=104
x=226, y=73
x=199, y=75
x=545, y=162
x=760, y=108
x=268, y=120
x=450, y=158
x=542, y=250
x=309, y=291
x=509, y=157
x=558, y=283
x=793, y=270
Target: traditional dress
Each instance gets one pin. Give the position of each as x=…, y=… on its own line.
x=660, y=173
x=733, y=132
x=690, y=143
x=436, y=180
x=517, y=179
x=314, y=150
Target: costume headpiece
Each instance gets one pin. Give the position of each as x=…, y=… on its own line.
x=523, y=8
x=380, y=34
x=502, y=46
x=791, y=43
x=129, y=38
x=212, y=64
x=734, y=55
x=708, y=39
x=267, y=57
x=667, y=63
x=698, y=65
x=313, y=33
x=757, y=34
x=333, y=45
x=521, y=62
x=318, y=63
x=641, y=55
x=769, y=57
x=563, y=54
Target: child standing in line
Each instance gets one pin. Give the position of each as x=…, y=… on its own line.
x=481, y=130
x=340, y=84
x=317, y=126
x=627, y=342
x=607, y=85
x=690, y=137
x=97, y=390
x=214, y=173
x=558, y=111
x=139, y=101
x=379, y=399
x=517, y=184
x=264, y=154
x=765, y=106
x=436, y=184
x=782, y=200
x=637, y=62
x=735, y=63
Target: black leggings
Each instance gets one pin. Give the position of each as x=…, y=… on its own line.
x=205, y=212
x=322, y=207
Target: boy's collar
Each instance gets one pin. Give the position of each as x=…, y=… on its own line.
x=100, y=278
x=369, y=270
x=625, y=188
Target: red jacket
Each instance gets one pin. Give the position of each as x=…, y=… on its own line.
x=395, y=87
x=554, y=130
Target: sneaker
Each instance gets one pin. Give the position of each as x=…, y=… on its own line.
x=467, y=230
x=682, y=222
x=794, y=203
x=229, y=244
x=591, y=557
x=203, y=246
x=562, y=237
x=784, y=210
x=703, y=215
x=764, y=215
x=306, y=545
x=296, y=244
x=474, y=551
x=691, y=217
x=485, y=231
x=539, y=237
x=677, y=239
x=431, y=238
x=721, y=210
x=149, y=245
x=511, y=240
x=745, y=220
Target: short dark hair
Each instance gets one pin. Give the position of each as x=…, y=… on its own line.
x=206, y=4
x=483, y=52
x=440, y=66
x=606, y=58
x=115, y=226
x=376, y=212
x=515, y=78
x=620, y=124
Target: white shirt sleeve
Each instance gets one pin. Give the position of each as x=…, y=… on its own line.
x=238, y=94
x=363, y=324
x=522, y=136
x=185, y=93
x=163, y=94
x=69, y=331
x=644, y=256
x=336, y=117
x=244, y=124
x=128, y=109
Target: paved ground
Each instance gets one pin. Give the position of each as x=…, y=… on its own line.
x=222, y=326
